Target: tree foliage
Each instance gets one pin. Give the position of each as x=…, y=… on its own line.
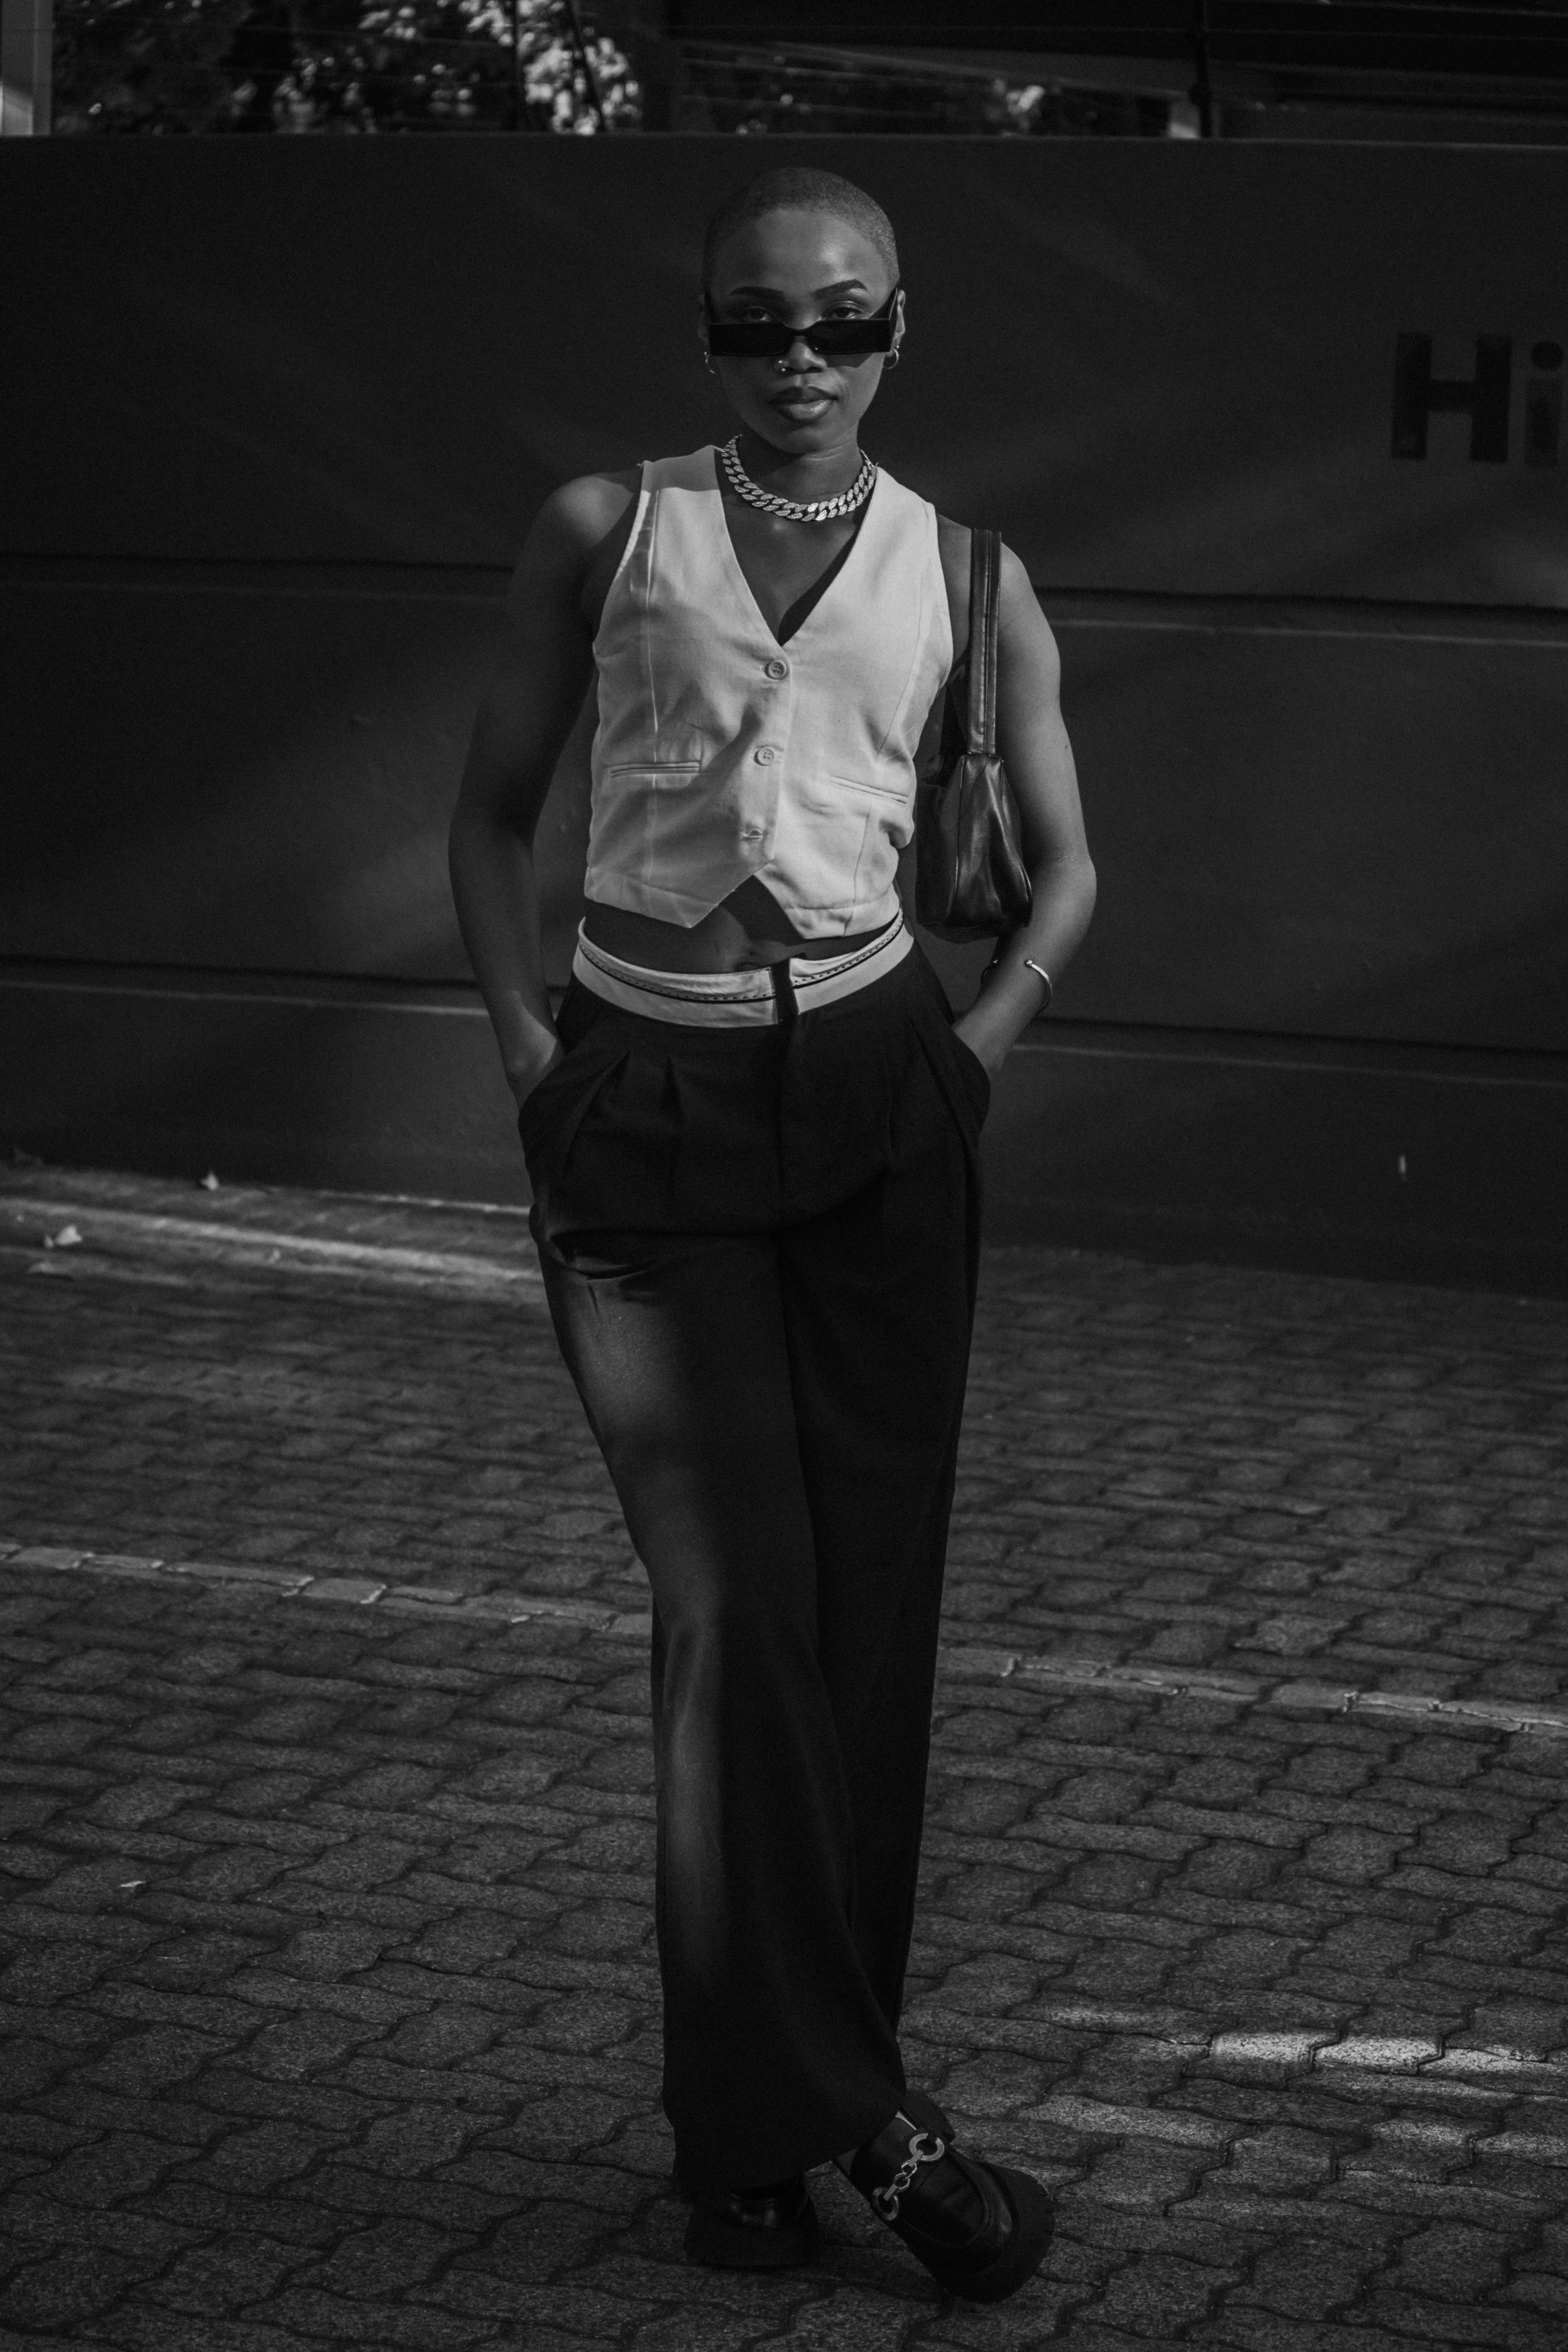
x=173, y=66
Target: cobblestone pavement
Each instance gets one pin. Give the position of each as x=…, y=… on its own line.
x=331, y=1979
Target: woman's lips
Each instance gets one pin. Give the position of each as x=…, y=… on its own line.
x=801, y=403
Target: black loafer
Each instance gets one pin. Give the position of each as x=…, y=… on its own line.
x=771, y=2229
x=980, y=2230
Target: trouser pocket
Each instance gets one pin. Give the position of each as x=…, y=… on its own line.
x=972, y=1072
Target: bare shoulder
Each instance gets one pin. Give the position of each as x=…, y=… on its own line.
x=578, y=518
x=577, y=539
x=1016, y=595
x=587, y=509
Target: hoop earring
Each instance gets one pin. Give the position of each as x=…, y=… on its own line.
x=892, y=359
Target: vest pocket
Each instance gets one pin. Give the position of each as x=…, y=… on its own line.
x=900, y=792
x=657, y=772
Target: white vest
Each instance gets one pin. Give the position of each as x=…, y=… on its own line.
x=720, y=754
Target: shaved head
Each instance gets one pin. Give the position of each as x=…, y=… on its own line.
x=795, y=189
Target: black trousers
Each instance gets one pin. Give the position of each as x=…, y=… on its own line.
x=759, y=1247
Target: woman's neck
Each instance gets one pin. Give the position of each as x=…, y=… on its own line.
x=808, y=475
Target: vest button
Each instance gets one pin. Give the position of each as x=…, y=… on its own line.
x=764, y=755
x=775, y=668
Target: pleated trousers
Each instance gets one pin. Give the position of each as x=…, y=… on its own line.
x=759, y=1247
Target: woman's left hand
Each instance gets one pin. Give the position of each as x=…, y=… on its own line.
x=1009, y=999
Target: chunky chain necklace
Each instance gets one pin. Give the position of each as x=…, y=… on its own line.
x=795, y=509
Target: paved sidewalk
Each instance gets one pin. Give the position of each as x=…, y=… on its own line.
x=329, y=1938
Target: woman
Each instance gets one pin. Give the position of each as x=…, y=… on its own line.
x=752, y=1137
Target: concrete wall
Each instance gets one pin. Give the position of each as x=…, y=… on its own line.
x=285, y=409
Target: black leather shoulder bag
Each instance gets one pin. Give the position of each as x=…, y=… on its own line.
x=970, y=881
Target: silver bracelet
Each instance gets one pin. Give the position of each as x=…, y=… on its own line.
x=1041, y=973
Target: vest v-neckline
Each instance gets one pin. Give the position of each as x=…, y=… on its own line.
x=749, y=593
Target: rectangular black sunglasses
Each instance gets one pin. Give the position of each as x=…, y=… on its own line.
x=770, y=338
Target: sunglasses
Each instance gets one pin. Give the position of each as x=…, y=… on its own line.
x=770, y=338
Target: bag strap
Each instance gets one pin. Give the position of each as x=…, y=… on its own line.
x=984, y=571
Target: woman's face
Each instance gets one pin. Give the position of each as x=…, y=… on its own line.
x=796, y=267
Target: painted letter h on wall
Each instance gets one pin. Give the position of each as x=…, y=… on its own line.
x=1484, y=397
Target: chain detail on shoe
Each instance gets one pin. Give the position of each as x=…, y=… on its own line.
x=925, y=2147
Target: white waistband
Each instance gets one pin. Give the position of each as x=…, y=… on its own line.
x=756, y=998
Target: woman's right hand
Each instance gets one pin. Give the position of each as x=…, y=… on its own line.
x=544, y=668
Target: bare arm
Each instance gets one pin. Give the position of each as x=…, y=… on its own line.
x=1034, y=744
x=541, y=673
